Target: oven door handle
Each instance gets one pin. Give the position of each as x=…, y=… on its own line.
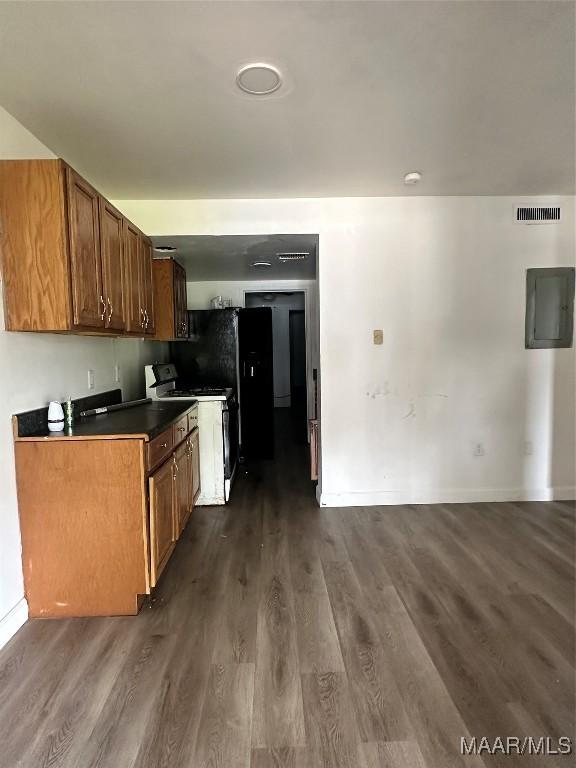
x=226, y=435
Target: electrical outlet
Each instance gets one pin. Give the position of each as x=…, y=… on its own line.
x=478, y=449
x=378, y=336
x=528, y=447
x=117, y=376
x=91, y=379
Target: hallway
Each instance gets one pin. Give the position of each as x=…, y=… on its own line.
x=283, y=635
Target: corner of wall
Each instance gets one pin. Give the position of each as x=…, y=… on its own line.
x=12, y=621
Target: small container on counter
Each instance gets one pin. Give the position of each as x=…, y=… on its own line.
x=55, y=417
x=69, y=412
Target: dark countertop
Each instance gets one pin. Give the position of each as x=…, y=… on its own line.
x=146, y=421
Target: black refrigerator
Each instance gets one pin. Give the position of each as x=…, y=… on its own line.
x=233, y=348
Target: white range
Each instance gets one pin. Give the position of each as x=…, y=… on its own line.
x=217, y=424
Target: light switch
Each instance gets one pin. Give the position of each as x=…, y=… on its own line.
x=378, y=334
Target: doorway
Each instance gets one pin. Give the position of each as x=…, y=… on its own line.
x=289, y=358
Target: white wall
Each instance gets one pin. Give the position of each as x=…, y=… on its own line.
x=36, y=368
x=445, y=279
x=200, y=293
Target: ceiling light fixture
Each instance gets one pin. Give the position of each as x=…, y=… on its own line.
x=413, y=177
x=293, y=256
x=164, y=248
x=261, y=264
x=259, y=79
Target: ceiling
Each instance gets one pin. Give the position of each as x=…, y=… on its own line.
x=141, y=96
x=230, y=257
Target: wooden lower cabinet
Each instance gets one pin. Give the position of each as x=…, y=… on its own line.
x=194, y=441
x=162, y=498
x=182, y=487
x=100, y=517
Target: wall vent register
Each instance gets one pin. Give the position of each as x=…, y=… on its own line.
x=537, y=214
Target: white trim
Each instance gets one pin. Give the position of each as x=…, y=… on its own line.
x=14, y=619
x=445, y=496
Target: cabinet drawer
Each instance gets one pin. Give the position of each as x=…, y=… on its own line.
x=193, y=420
x=160, y=448
x=180, y=429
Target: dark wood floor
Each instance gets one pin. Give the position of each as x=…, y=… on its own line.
x=283, y=635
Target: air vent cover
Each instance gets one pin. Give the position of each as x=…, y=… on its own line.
x=536, y=214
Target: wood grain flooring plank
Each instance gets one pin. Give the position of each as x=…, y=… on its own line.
x=331, y=728
x=23, y=657
x=435, y=719
x=236, y=639
x=318, y=644
x=170, y=738
x=278, y=709
x=31, y=706
x=393, y=754
x=282, y=757
x=377, y=702
x=224, y=732
x=74, y=711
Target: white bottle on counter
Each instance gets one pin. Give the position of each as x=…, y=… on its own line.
x=55, y=417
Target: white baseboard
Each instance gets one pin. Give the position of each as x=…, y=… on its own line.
x=445, y=496
x=14, y=619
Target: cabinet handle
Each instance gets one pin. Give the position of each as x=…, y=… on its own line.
x=110, y=309
x=103, y=313
x=164, y=445
x=142, y=318
x=146, y=319
x=181, y=429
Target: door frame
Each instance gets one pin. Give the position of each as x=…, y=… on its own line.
x=306, y=291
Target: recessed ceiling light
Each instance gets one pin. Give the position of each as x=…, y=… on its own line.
x=413, y=177
x=259, y=79
x=293, y=256
x=164, y=248
x=261, y=264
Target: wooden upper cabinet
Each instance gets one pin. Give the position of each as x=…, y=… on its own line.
x=147, y=284
x=34, y=246
x=133, y=291
x=170, y=299
x=181, y=308
x=111, y=249
x=71, y=262
x=84, y=243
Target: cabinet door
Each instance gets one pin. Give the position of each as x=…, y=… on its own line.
x=85, y=263
x=180, y=316
x=146, y=285
x=132, y=276
x=195, y=464
x=184, y=302
x=111, y=239
x=183, y=485
x=161, y=518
